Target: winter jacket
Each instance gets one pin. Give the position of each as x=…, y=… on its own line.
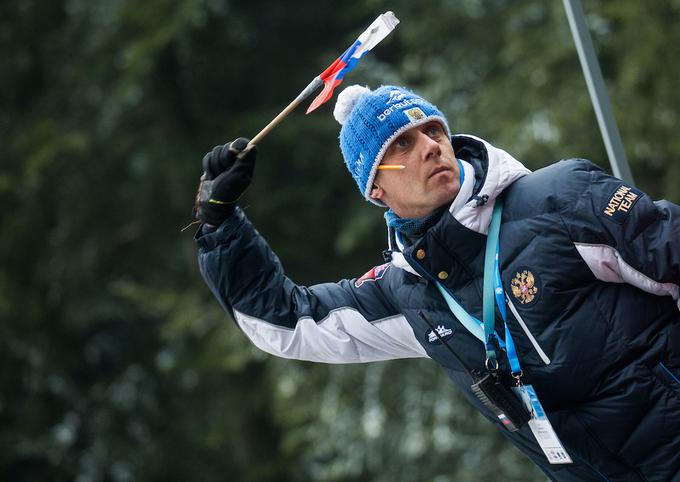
x=591, y=267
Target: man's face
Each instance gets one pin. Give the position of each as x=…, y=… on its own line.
x=431, y=177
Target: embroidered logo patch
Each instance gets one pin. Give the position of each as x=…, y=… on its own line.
x=621, y=202
x=374, y=274
x=443, y=334
x=525, y=286
x=414, y=114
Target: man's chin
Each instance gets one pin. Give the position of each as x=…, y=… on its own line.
x=447, y=197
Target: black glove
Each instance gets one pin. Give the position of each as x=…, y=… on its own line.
x=227, y=172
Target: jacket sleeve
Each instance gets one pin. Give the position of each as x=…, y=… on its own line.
x=622, y=234
x=339, y=322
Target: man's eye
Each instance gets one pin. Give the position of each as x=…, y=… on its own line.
x=433, y=131
x=401, y=142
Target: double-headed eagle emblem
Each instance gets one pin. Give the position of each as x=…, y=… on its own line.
x=524, y=287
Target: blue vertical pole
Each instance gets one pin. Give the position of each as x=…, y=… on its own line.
x=597, y=90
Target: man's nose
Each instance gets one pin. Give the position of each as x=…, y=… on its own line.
x=431, y=148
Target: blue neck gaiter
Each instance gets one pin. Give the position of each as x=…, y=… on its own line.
x=413, y=227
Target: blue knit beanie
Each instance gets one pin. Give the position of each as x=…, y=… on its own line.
x=371, y=120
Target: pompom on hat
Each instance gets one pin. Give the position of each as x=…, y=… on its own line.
x=371, y=120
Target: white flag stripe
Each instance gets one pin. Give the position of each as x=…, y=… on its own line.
x=378, y=30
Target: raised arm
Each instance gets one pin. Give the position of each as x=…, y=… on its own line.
x=333, y=322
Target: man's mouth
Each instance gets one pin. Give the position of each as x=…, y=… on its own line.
x=438, y=170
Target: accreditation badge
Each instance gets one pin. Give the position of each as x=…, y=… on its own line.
x=541, y=427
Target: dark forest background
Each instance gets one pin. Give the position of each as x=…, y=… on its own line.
x=116, y=364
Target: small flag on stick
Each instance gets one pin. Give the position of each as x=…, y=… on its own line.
x=333, y=75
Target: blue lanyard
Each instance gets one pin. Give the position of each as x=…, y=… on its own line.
x=493, y=294
x=471, y=323
x=500, y=301
x=493, y=288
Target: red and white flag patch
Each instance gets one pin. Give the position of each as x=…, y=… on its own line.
x=373, y=274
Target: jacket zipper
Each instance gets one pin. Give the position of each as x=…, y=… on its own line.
x=669, y=373
x=524, y=326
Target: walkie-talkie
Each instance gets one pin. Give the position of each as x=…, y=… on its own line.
x=493, y=394
x=501, y=401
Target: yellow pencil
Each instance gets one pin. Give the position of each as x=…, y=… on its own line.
x=391, y=167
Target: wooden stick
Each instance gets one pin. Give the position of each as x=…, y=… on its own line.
x=274, y=122
x=313, y=85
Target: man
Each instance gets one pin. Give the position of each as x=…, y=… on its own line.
x=590, y=267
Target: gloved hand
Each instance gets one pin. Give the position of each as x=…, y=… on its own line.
x=227, y=172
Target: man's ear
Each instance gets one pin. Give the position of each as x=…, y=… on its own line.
x=377, y=192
